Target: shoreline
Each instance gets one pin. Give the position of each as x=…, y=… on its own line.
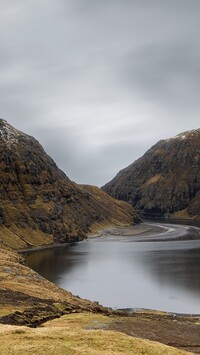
x=146, y=227
x=181, y=221
x=130, y=230
x=156, y=312
x=43, y=247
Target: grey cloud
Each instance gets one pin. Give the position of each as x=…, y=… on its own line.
x=67, y=147
x=166, y=72
x=98, y=82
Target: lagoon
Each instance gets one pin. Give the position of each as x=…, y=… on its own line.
x=157, y=267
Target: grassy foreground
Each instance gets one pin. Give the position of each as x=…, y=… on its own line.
x=74, y=334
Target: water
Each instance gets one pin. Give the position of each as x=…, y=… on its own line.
x=154, y=271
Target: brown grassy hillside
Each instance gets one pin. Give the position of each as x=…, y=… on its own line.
x=165, y=181
x=38, y=202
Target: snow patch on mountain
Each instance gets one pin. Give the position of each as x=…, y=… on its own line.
x=183, y=135
x=9, y=134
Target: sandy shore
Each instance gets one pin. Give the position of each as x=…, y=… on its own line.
x=138, y=229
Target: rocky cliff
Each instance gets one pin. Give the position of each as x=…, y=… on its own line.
x=165, y=181
x=38, y=202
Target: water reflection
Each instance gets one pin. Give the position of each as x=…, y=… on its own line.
x=52, y=263
x=178, y=267
x=121, y=272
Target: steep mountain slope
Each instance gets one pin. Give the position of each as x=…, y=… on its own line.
x=38, y=202
x=165, y=181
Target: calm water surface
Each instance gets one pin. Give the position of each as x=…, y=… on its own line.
x=157, y=271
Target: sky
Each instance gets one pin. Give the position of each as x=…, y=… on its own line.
x=98, y=82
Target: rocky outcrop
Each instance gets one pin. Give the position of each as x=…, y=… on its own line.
x=38, y=202
x=165, y=181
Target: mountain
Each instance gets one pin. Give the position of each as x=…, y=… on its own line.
x=165, y=181
x=39, y=204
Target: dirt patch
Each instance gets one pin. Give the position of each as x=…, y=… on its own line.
x=180, y=332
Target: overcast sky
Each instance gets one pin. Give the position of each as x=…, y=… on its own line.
x=98, y=82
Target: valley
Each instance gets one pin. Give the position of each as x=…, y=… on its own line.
x=42, y=209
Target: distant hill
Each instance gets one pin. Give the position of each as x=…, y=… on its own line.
x=38, y=202
x=165, y=181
